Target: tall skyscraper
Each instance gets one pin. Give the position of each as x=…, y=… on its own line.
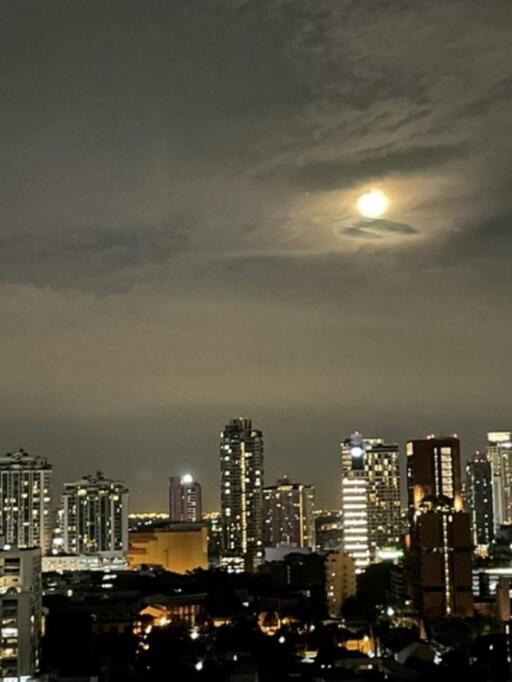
x=185, y=499
x=95, y=516
x=499, y=453
x=288, y=514
x=440, y=547
x=382, y=467
x=25, y=500
x=214, y=528
x=370, y=497
x=241, y=465
x=20, y=613
x=354, y=502
x=478, y=498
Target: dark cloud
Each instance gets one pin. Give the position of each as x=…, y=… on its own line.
x=360, y=233
x=483, y=247
x=375, y=229
x=89, y=257
x=340, y=173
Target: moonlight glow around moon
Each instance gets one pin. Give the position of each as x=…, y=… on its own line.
x=372, y=204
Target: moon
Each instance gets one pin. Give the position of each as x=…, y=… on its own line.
x=372, y=204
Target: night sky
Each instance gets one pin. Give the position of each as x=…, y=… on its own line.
x=180, y=244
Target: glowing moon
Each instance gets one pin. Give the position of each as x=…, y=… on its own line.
x=372, y=204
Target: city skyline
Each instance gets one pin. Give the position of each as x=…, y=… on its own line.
x=327, y=497
x=184, y=236
x=255, y=295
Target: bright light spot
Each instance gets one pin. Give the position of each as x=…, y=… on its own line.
x=187, y=479
x=356, y=451
x=390, y=554
x=281, y=639
x=372, y=204
x=199, y=666
x=194, y=634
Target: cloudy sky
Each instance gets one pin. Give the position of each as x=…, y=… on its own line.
x=179, y=238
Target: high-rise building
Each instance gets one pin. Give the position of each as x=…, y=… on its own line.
x=354, y=502
x=478, y=498
x=328, y=530
x=440, y=547
x=382, y=467
x=95, y=516
x=340, y=581
x=25, y=520
x=185, y=499
x=288, y=514
x=241, y=466
x=214, y=528
x=499, y=453
x=20, y=613
x=370, y=491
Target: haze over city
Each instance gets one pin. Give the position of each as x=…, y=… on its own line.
x=183, y=239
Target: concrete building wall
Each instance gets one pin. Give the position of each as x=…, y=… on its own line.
x=340, y=581
x=178, y=547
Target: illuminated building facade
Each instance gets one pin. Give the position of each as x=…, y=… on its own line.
x=354, y=502
x=478, y=499
x=340, y=581
x=95, y=516
x=185, y=499
x=62, y=563
x=440, y=544
x=214, y=528
x=25, y=500
x=182, y=609
x=370, y=493
x=382, y=468
x=499, y=453
x=288, y=514
x=177, y=547
x=241, y=467
x=328, y=529
x=20, y=613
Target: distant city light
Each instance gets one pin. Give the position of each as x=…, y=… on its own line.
x=390, y=554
